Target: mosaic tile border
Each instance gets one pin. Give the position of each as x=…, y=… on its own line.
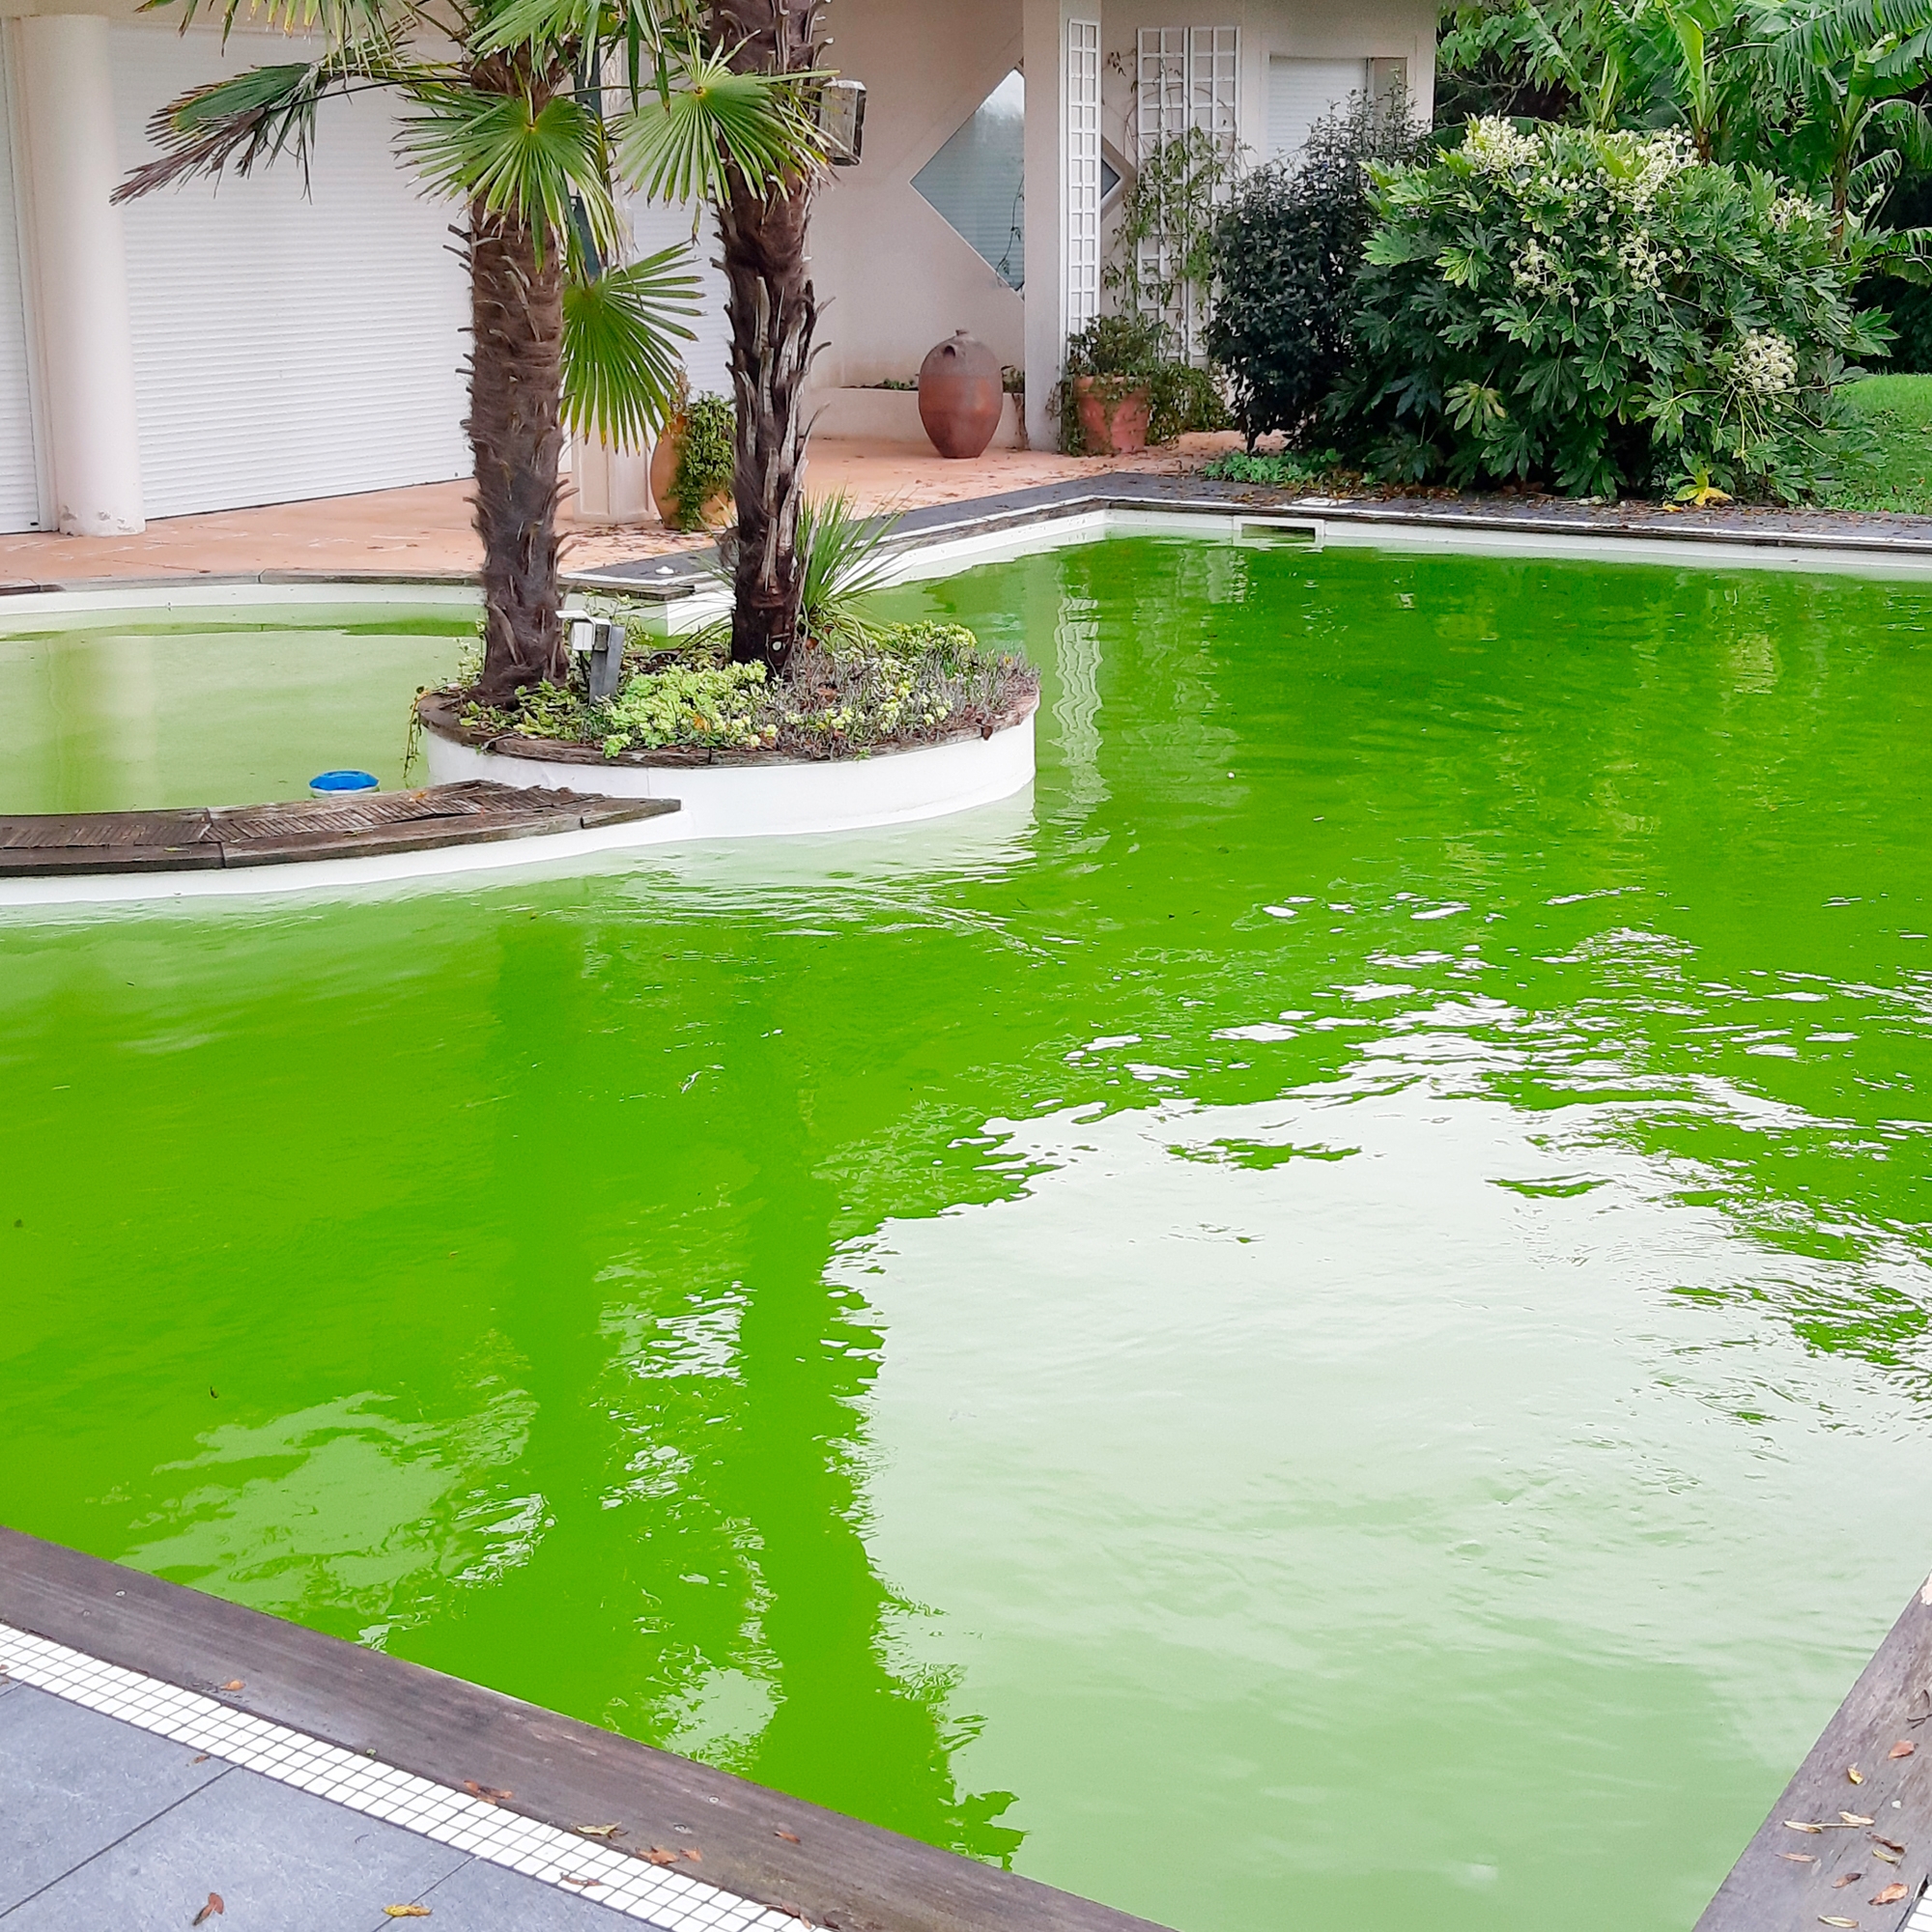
x=578, y=1866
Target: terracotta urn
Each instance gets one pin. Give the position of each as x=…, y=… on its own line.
x=665, y=454
x=960, y=396
x=1114, y=423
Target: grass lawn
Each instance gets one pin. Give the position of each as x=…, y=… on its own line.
x=1899, y=476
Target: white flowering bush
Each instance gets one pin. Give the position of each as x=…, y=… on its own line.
x=902, y=684
x=1603, y=313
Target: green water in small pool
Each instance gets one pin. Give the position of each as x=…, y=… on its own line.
x=1325, y=1321
x=113, y=712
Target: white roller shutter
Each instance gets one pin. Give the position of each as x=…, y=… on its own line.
x=1301, y=93
x=707, y=361
x=286, y=347
x=20, y=484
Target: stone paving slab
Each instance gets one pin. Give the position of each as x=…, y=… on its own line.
x=108, y=1826
x=72, y=1784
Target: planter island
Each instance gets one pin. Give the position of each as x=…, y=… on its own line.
x=733, y=794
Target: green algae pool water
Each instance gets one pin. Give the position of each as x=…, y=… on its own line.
x=114, y=712
x=1324, y=1323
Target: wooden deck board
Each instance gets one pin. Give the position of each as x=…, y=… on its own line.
x=758, y=1843
x=474, y=811
x=1788, y=1878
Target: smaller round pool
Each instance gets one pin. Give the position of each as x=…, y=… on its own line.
x=126, y=710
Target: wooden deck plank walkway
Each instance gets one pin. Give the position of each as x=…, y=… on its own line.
x=210, y=839
x=782, y=1852
x=1850, y=1842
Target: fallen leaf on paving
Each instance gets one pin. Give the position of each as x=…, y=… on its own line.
x=1856, y=1774
x=1851, y=1923
x=1920, y=1707
x=598, y=1831
x=1853, y=1818
x=1891, y=1858
x=658, y=1856
x=695, y=1857
x=214, y=1909
x=491, y=1796
x=1797, y=1824
x=564, y=1878
x=1844, y=1879
x=202, y=1759
x=1904, y=1748
x=790, y=1837
x=1890, y=1844
x=406, y=1912
x=1891, y=1896
x=1799, y=1857
x=235, y=1683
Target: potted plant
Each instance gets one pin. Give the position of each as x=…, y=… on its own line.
x=1112, y=366
x=692, y=466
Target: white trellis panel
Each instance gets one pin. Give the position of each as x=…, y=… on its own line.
x=1081, y=252
x=1187, y=79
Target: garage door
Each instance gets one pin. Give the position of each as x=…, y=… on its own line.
x=287, y=346
x=20, y=491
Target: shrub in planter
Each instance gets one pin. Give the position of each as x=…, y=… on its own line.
x=1601, y=312
x=1123, y=389
x=691, y=471
x=1286, y=253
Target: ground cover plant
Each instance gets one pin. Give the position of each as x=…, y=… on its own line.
x=1602, y=312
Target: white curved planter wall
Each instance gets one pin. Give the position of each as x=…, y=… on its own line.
x=765, y=801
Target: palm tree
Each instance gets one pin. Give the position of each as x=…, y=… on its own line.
x=509, y=121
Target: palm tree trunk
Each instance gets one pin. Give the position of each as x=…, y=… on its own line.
x=774, y=315
x=516, y=380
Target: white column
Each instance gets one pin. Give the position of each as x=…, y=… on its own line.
x=1044, y=55
x=78, y=273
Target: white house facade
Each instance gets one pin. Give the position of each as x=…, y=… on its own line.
x=216, y=347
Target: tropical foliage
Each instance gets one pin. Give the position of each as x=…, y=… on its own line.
x=529, y=115
x=1604, y=312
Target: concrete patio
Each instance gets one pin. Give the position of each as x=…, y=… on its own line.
x=426, y=531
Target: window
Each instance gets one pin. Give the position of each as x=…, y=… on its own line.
x=1303, y=93
x=978, y=180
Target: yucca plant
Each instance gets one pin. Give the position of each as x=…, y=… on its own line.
x=515, y=116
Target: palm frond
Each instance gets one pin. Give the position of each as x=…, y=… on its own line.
x=620, y=363
x=341, y=24
x=1903, y=124
x=681, y=143
x=845, y=561
x=253, y=118
x=1902, y=252
x=543, y=166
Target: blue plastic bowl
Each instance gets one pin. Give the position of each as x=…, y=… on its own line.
x=333, y=784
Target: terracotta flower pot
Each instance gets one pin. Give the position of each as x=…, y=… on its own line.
x=1112, y=424
x=665, y=457
x=959, y=396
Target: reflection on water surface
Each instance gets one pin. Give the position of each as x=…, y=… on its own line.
x=1337, y=1316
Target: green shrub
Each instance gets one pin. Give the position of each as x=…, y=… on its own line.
x=1125, y=353
x=1600, y=312
x=1286, y=253
x=706, y=459
x=1291, y=467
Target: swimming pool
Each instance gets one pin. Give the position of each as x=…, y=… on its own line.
x=1332, y=1322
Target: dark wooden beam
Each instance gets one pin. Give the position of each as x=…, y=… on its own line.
x=1844, y=1851
x=832, y=1870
